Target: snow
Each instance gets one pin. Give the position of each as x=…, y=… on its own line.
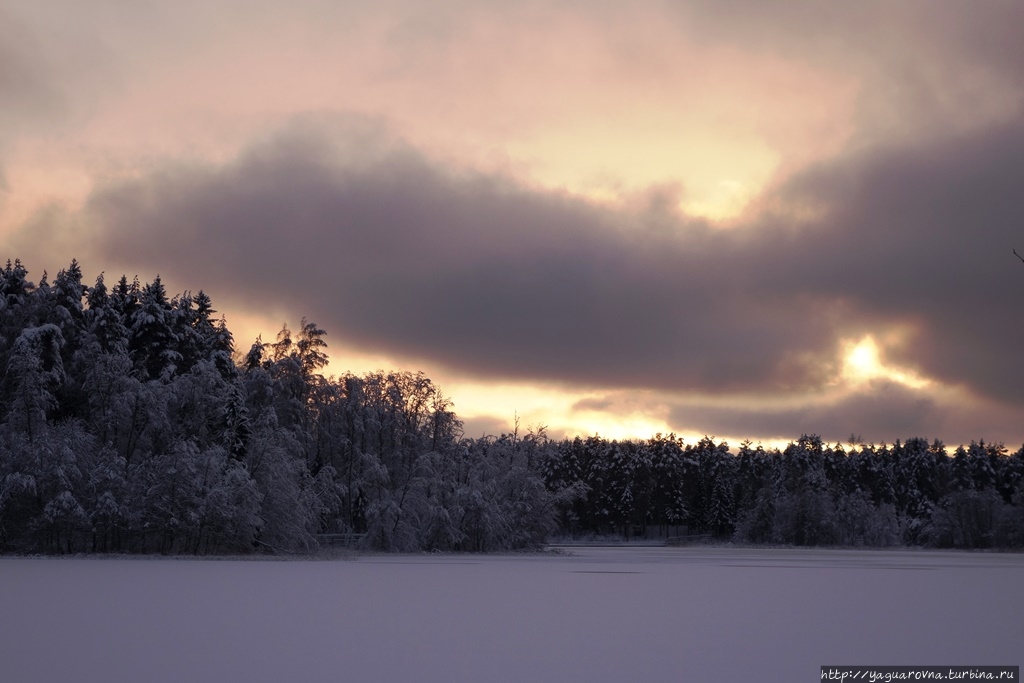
x=599, y=614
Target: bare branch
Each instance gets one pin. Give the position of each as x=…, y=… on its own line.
x=1018, y=255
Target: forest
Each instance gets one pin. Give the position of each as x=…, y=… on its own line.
x=131, y=423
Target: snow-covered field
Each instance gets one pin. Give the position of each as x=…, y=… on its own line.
x=600, y=614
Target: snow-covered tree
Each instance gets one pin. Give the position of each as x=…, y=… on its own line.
x=35, y=372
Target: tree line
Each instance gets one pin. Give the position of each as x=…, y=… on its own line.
x=908, y=493
x=129, y=422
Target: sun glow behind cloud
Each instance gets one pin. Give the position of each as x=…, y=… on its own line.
x=862, y=363
x=612, y=161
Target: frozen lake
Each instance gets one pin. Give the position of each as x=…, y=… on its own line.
x=600, y=614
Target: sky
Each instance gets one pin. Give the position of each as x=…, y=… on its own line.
x=742, y=219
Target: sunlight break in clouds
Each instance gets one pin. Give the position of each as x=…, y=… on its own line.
x=862, y=363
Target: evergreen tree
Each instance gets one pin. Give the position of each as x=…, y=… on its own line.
x=153, y=341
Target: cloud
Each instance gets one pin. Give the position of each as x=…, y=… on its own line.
x=54, y=65
x=485, y=425
x=53, y=70
x=398, y=254
x=880, y=411
x=597, y=404
x=394, y=253
x=924, y=67
x=877, y=411
x=922, y=236
x=24, y=84
x=23, y=89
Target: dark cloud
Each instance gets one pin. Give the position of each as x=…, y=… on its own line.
x=924, y=237
x=880, y=411
x=596, y=404
x=396, y=255
x=393, y=253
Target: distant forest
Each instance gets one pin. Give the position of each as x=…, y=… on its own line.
x=130, y=423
